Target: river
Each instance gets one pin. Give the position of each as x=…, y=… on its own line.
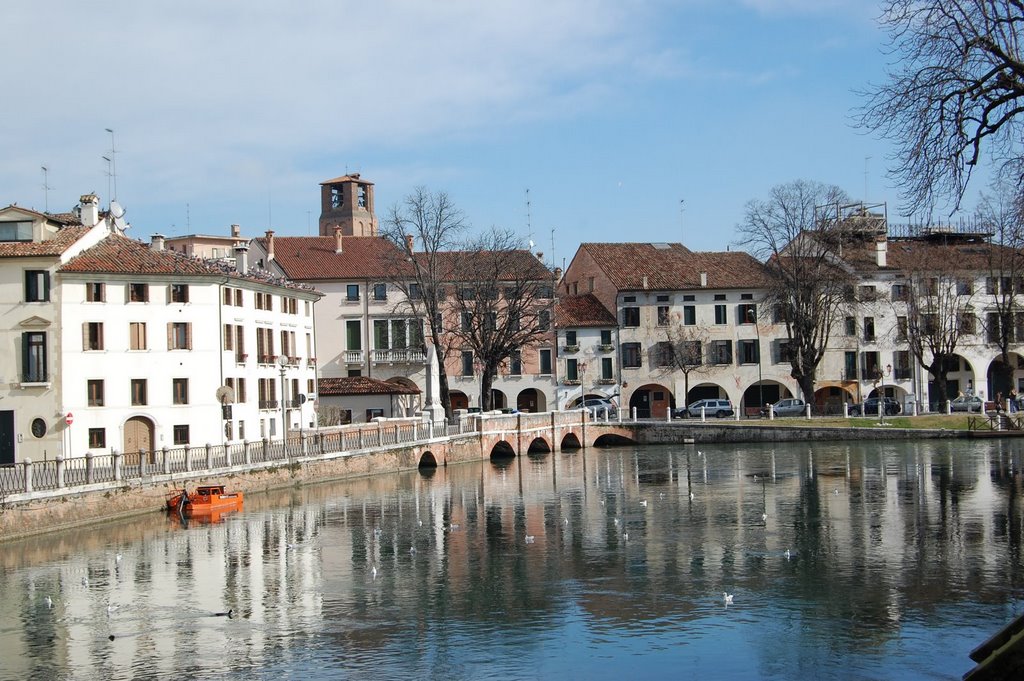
x=844, y=561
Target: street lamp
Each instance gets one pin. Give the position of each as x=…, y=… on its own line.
x=752, y=318
x=282, y=362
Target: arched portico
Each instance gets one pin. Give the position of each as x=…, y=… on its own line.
x=531, y=400
x=651, y=401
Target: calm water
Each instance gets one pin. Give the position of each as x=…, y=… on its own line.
x=902, y=558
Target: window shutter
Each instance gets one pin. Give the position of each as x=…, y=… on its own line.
x=170, y=335
x=188, y=335
x=99, y=336
x=25, y=360
x=85, y=335
x=170, y=294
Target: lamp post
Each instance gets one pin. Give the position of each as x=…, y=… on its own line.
x=283, y=363
x=752, y=318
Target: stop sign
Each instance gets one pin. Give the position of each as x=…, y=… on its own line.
x=69, y=419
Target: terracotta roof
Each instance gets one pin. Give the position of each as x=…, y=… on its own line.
x=585, y=310
x=362, y=385
x=117, y=254
x=347, y=178
x=909, y=254
x=672, y=267
x=516, y=265
x=60, y=242
x=305, y=258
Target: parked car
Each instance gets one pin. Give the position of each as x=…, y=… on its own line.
x=871, y=405
x=789, y=406
x=718, y=408
x=598, y=407
x=967, y=403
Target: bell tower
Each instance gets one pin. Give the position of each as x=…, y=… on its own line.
x=347, y=202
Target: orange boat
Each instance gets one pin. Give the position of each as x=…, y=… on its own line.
x=206, y=500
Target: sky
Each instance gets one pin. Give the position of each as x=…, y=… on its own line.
x=563, y=120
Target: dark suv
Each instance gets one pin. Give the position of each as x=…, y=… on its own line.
x=870, y=407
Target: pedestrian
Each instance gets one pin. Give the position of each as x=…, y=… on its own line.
x=1013, y=401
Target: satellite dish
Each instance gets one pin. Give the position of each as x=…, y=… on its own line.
x=225, y=394
x=116, y=209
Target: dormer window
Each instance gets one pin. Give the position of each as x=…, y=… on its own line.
x=19, y=230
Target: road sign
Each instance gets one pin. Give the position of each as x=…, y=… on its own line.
x=69, y=419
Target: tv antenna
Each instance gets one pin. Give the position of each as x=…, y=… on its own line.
x=113, y=162
x=117, y=212
x=110, y=175
x=682, y=209
x=46, y=190
x=529, y=223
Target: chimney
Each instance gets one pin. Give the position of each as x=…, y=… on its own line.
x=157, y=243
x=90, y=209
x=236, y=231
x=270, y=245
x=337, y=240
x=881, y=252
x=703, y=279
x=558, y=274
x=645, y=282
x=242, y=258
x=410, y=242
x=540, y=256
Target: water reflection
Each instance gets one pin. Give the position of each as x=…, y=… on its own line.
x=874, y=561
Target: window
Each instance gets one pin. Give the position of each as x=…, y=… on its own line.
x=631, y=316
x=181, y=434
x=629, y=299
x=138, y=293
x=179, y=336
x=631, y=355
x=95, y=292
x=901, y=365
x=721, y=316
x=606, y=336
x=545, y=362
x=240, y=355
x=693, y=353
x=37, y=286
x=746, y=313
x=544, y=320
x=399, y=334
x=415, y=293
x=929, y=323
x=850, y=326
x=179, y=293
x=97, y=438
x=16, y=230
x=238, y=297
x=867, y=293
x=467, y=362
x=721, y=352
x=179, y=390
x=570, y=338
x=229, y=337
x=992, y=327
x=990, y=286
x=664, y=354
x=515, y=364
x=850, y=366
x=380, y=334
x=92, y=336
x=748, y=352
x=38, y=428
x=240, y=390
x=138, y=386
x=94, y=389
x=783, y=351
x=606, y=369
x=901, y=328
x=967, y=323
x=899, y=291
x=467, y=321
x=930, y=286
x=380, y=292
x=663, y=315
x=33, y=357
x=689, y=315
x=720, y=296
x=352, y=292
x=228, y=295
x=353, y=335
x=869, y=329
x=572, y=369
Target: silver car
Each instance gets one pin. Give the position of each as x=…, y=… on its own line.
x=788, y=407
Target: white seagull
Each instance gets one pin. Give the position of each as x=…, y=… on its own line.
x=643, y=502
x=787, y=554
x=530, y=539
x=49, y=602
x=728, y=597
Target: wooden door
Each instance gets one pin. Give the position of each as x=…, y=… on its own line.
x=138, y=435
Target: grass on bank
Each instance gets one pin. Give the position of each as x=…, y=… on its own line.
x=923, y=422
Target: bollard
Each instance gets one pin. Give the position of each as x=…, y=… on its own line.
x=949, y=407
x=227, y=454
x=209, y=456
x=59, y=460
x=668, y=415
x=266, y=449
x=808, y=409
x=248, y=454
x=736, y=414
x=142, y=463
x=116, y=456
x=771, y=413
x=166, y=456
x=913, y=408
x=634, y=414
x=703, y=413
x=89, y=470
x=27, y=462
x=188, y=460
x=846, y=410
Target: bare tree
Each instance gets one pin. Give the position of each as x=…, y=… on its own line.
x=800, y=240
x=1002, y=214
x=938, y=295
x=501, y=303
x=956, y=89
x=684, y=350
x=426, y=225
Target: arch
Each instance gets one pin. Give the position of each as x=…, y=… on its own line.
x=538, y=446
x=960, y=378
x=502, y=450
x=1004, y=377
x=405, y=404
x=651, y=400
x=403, y=381
x=613, y=440
x=829, y=398
x=531, y=400
x=458, y=399
x=705, y=391
x=577, y=402
x=570, y=442
x=427, y=460
x=498, y=399
x=139, y=435
x=758, y=394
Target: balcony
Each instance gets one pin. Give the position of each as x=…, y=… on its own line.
x=606, y=347
x=269, y=404
x=571, y=381
x=353, y=356
x=399, y=356
x=606, y=381
x=241, y=357
x=570, y=349
x=268, y=359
